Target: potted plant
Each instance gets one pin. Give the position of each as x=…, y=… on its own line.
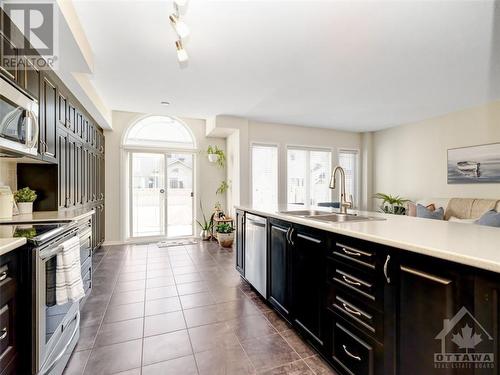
x=24, y=199
x=392, y=204
x=206, y=225
x=225, y=234
x=216, y=155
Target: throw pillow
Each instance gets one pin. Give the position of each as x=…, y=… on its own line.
x=490, y=219
x=425, y=213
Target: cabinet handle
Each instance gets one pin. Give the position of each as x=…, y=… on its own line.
x=350, y=282
x=4, y=333
x=357, y=358
x=354, y=253
x=350, y=310
x=386, y=269
x=291, y=234
x=3, y=275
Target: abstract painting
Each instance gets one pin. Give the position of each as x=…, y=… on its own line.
x=475, y=164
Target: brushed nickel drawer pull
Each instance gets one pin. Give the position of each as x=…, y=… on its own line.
x=357, y=358
x=354, y=253
x=426, y=275
x=349, y=281
x=351, y=310
x=3, y=275
x=4, y=333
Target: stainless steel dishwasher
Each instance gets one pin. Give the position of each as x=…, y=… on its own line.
x=256, y=252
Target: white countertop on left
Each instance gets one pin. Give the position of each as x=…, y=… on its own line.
x=9, y=244
x=49, y=216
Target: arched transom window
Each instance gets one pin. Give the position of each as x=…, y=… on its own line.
x=160, y=131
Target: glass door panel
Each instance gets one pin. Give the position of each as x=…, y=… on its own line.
x=179, y=195
x=148, y=194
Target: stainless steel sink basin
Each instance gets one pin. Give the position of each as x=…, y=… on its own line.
x=305, y=213
x=335, y=218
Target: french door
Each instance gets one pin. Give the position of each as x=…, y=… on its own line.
x=161, y=194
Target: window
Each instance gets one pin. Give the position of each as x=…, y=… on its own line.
x=308, y=176
x=264, y=175
x=348, y=159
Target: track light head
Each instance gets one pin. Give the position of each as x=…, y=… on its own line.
x=180, y=26
x=182, y=55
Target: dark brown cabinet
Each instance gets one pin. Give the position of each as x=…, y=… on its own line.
x=62, y=161
x=240, y=242
x=48, y=120
x=278, y=265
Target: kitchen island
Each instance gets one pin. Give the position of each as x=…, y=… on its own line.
x=388, y=295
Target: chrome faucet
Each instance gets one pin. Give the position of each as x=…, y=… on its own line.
x=344, y=203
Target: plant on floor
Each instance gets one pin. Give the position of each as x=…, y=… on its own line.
x=392, y=204
x=25, y=195
x=216, y=155
x=223, y=187
x=206, y=225
x=225, y=234
x=224, y=228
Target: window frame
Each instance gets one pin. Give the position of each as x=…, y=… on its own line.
x=278, y=168
x=309, y=149
x=357, y=185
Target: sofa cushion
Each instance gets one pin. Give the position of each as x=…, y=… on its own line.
x=469, y=208
x=425, y=213
x=454, y=219
x=490, y=219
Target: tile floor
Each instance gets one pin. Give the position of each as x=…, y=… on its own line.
x=181, y=311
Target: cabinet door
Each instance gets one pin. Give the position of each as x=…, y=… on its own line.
x=308, y=274
x=428, y=298
x=278, y=267
x=32, y=80
x=71, y=171
x=10, y=55
x=62, y=145
x=240, y=242
x=62, y=109
x=48, y=120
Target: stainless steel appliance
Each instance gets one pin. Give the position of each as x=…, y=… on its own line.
x=18, y=122
x=56, y=328
x=256, y=252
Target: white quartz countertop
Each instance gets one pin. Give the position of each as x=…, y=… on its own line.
x=49, y=216
x=469, y=244
x=9, y=244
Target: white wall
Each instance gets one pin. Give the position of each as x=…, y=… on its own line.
x=8, y=174
x=289, y=135
x=208, y=176
x=411, y=160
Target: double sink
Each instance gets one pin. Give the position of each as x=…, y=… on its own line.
x=330, y=216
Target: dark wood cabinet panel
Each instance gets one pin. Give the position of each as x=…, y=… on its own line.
x=9, y=54
x=48, y=120
x=307, y=275
x=62, y=151
x=279, y=267
x=240, y=242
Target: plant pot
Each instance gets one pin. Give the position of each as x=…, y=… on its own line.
x=25, y=207
x=225, y=239
x=212, y=158
x=205, y=235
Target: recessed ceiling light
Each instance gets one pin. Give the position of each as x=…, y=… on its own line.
x=182, y=55
x=165, y=103
x=180, y=26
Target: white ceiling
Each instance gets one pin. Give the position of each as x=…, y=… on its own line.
x=353, y=65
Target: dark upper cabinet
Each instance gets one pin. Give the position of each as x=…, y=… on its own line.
x=32, y=80
x=278, y=266
x=9, y=54
x=48, y=120
x=62, y=109
x=240, y=242
x=62, y=161
x=308, y=252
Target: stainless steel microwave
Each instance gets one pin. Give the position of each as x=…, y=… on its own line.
x=18, y=122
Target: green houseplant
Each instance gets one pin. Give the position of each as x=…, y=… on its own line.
x=223, y=187
x=206, y=225
x=216, y=155
x=24, y=198
x=392, y=204
x=225, y=234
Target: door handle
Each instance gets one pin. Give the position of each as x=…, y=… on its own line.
x=357, y=358
x=3, y=275
x=4, y=333
x=291, y=237
x=350, y=310
x=350, y=282
x=162, y=191
x=386, y=269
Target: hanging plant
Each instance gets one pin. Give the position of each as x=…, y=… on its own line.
x=216, y=155
x=223, y=187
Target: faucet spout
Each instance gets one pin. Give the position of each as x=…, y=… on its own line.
x=344, y=203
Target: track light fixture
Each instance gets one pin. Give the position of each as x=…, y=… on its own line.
x=182, y=55
x=180, y=3
x=180, y=26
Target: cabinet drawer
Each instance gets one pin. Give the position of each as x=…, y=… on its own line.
x=364, y=257
x=5, y=329
x=353, y=280
x=352, y=352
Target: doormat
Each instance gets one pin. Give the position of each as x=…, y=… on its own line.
x=176, y=243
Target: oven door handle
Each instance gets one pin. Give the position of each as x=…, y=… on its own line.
x=46, y=369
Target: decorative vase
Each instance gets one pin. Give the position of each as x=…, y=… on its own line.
x=25, y=207
x=225, y=239
x=205, y=235
x=212, y=158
